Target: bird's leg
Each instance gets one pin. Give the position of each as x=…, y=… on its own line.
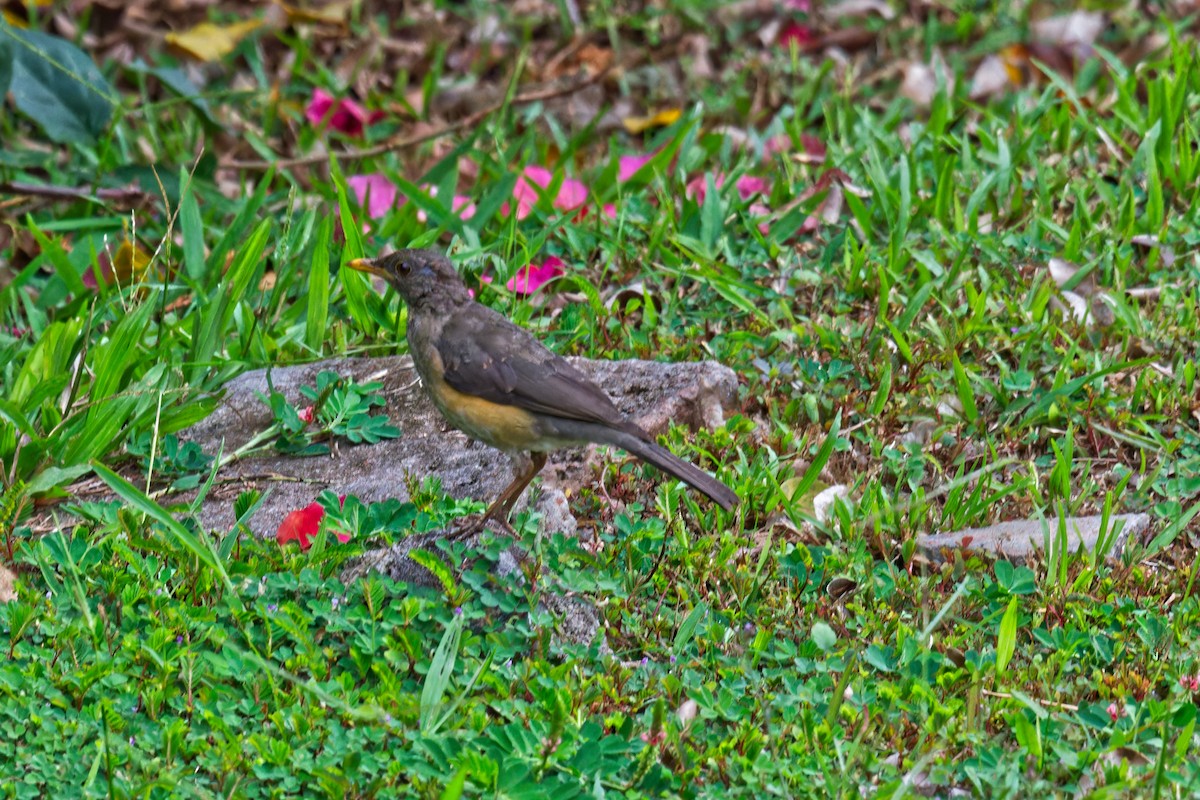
x=502, y=505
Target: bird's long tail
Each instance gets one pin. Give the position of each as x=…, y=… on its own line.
x=668, y=462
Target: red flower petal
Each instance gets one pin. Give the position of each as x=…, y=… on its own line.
x=302, y=525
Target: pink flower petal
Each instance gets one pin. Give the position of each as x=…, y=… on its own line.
x=539, y=175
x=802, y=35
x=459, y=203
x=572, y=193
x=627, y=166
x=318, y=106
x=813, y=147
x=747, y=186
x=697, y=187
x=750, y=185
x=346, y=116
x=463, y=205
x=761, y=210
x=781, y=143
x=533, y=277
x=610, y=210
x=374, y=192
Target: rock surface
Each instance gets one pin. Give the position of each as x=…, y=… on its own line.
x=651, y=393
x=1020, y=539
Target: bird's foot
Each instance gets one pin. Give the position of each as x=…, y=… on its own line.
x=466, y=527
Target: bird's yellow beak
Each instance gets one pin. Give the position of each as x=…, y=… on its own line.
x=366, y=265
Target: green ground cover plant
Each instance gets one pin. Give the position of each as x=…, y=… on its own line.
x=950, y=253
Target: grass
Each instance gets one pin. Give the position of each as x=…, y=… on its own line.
x=910, y=346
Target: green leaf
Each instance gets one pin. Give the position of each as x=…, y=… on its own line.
x=712, y=215
x=316, y=314
x=56, y=85
x=213, y=323
x=435, y=565
x=203, y=550
x=174, y=79
x=5, y=63
x=1168, y=534
x=966, y=395
x=192, y=230
x=684, y=635
x=823, y=636
x=354, y=283
x=440, y=669
x=454, y=789
x=51, y=477
x=1006, y=640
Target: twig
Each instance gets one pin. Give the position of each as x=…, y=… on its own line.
x=400, y=143
x=1047, y=703
x=129, y=196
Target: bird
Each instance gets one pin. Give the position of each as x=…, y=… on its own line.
x=498, y=384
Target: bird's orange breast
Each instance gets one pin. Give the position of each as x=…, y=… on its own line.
x=502, y=426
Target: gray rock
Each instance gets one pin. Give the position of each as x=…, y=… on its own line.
x=651, y=393
x=1020, y=539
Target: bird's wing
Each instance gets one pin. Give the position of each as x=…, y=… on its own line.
x=485, y=355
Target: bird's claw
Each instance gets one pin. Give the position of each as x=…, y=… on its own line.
x=466, y=527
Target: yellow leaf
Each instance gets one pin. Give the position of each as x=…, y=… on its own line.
x=129, y=263
x=659, y=120
x=208, y=42
x=331, y=14
x=17, y=21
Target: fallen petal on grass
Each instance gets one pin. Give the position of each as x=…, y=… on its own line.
x=345, y=116
x=534, y=276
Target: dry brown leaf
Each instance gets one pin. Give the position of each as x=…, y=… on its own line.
x=1062, y=272
x=1166, y=255
x=859, y=8
x=1077, y=29
x=8, y=585
x=920, y=82
x=991, y=77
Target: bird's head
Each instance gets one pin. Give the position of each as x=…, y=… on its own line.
x=420, y=276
